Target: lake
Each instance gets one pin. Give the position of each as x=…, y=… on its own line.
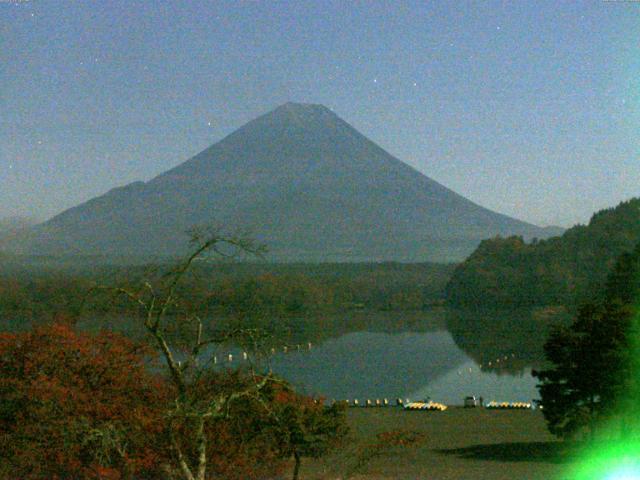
x=368, y=365
x=423, y=358
x=442, y=354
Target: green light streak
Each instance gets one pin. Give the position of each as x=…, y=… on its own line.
x=610, y=461
x=616, y=458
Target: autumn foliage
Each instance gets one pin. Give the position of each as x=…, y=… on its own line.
x=76, y=405
x=240, y=443
x=73, y=405
x=81, y=406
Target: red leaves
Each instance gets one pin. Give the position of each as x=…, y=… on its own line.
x=78, y=405
x=68, y=399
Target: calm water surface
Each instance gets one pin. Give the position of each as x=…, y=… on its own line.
x=434, y=354
x=389, y=365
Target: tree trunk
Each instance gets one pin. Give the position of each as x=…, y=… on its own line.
x=201, y=439
x=182, y=462
x=296, y=468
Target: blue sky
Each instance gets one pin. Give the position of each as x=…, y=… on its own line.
x=529, y=108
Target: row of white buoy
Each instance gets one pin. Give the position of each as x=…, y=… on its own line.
x=290, y=348
x=384, y=402
x=245, y=355
x=399, y=402
x=509, y=405
x=229, y=358
x=500, y=361
x=497, y=361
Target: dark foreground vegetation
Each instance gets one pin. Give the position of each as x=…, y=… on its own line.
x=75, y=404
x=594, y=379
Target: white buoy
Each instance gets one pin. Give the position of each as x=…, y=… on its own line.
x=309, y=346
x=215, y=359
x=284, y=349
x=230, y=358
x=245, y=355
x=273, y=351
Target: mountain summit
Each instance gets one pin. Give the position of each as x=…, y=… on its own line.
x=304, y=181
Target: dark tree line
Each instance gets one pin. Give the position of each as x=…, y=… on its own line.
x=566, y=270
x=595, y=367
x=37, y=294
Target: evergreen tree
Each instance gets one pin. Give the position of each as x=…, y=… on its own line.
x=594, y=368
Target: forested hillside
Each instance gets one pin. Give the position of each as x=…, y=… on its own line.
x=29, y=293
x=565, y=270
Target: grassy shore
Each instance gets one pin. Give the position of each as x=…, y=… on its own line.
x=457, y=444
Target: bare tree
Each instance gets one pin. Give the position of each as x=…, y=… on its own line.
x=185, y=360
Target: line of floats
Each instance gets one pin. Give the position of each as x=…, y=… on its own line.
x=229, y=357
x=426, y=405
x=429, y=405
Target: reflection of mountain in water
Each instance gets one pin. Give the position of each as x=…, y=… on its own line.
x=386, y=355
x=320, y=328
x=372, y=355
x=504, y=341
x=466, y=380
x=371, y=365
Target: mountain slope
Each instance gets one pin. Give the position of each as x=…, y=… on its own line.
x=304, y=181
x=10, y=226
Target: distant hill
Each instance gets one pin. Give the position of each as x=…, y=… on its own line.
x=566, y=270
x=303, y=181
x=552, y=231
x=13, y=225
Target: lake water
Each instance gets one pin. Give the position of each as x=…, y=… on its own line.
x=442, y=354
x=414, y=365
